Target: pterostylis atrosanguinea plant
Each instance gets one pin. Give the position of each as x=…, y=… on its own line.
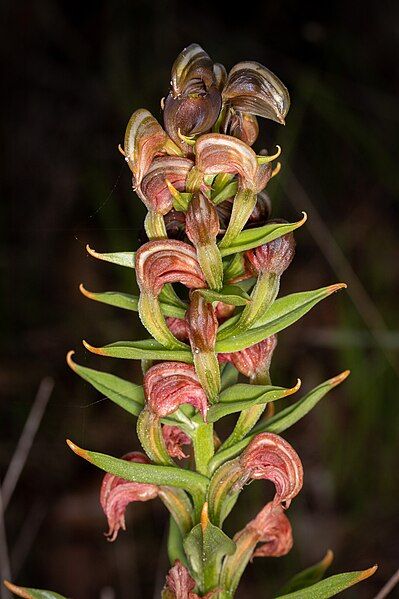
x=209, y=231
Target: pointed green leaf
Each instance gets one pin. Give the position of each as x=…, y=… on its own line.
x=129, y=302
x=331, y=586
x=281, y=421
x=250, y=238
x=309, y=576
x=283, y=312
x=289, y=416
x=127, y=395
x=31, y=593
x=230, y=294
x=119, y=258
x=169, y=476
x=243, y=396
x=147, y=349
x=205, y=546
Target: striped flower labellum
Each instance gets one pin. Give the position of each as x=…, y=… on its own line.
x=117, y=493
x=157, y=263
x=175, y=439
x=154, y=190
x=169, y=385
x=270, y=457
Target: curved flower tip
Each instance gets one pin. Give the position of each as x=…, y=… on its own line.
x=270, y=457
x=273, y=529
x=144, y=139
x=340, y=378
x=337, y=287
x=69, y=360
x=92, y=349
x=273, y=257
x=116, y=494
x=168, y=385
x=175, y=439
x=252, y=88
x=164, y=172
x=167, y=261
x=194, y=102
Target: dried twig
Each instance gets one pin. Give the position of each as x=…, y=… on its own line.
x=26, y=439
x=389, y=586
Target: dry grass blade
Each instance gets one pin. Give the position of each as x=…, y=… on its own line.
x=5, y=570
x=389, y=586
x=26, y=439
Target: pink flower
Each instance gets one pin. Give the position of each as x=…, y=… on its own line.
x=167, y=261
x=270, y=457
x=178, y=327
x=202, y=324
x=168, y=385
x=202, y=221
x=275, y=256
x=116, y=494
x=272, y=528
x=154, y=191
x=254, y=360
x=174, y=439
x=180, y=584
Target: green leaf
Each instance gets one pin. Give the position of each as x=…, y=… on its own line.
x=129, y=302
x=175, y=543
x=125, y=394
x=282, y=313
x=169, y=476
x=230, y=294
x=243, y=396
x=250, y=238
x=147, y=349
x=31, y=593
x=289, y=416
x=229, y=375
x=281, y=421
x=120, y=258
x=309, y=576
x=331, y=586
x=227, y=192
x=205, y=546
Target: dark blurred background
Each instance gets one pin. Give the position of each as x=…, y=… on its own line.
x=74, y=72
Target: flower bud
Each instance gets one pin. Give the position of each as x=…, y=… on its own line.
x=179, y=584
x=117, y=493
x=270, y=457
x=254, y=361
x=178, y=327
x=194, y=102
x=202, y=227
x=154, y=191
x=243, y=126
x=252, y=88
x=273, y=257
x=168, y=385
x=220, y=75
x=202, y=324
x=174, y=439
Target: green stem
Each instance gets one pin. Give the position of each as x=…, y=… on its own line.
x=263, y=295
x=203, y=447
x=211, y=264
